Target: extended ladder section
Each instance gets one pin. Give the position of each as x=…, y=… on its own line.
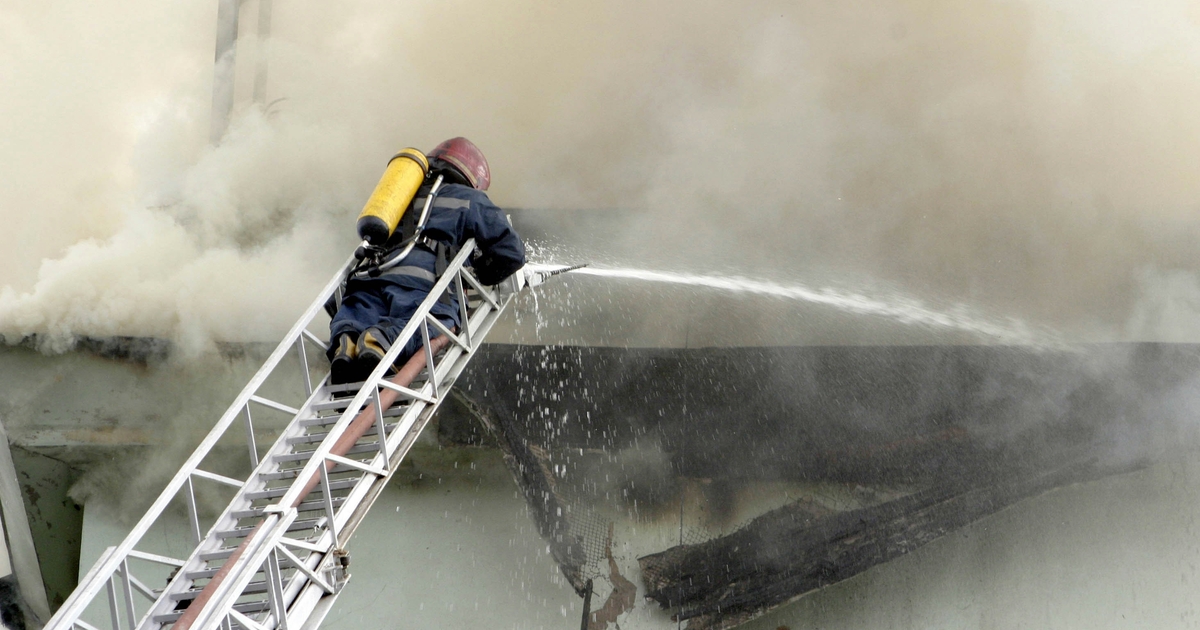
x=275, y=558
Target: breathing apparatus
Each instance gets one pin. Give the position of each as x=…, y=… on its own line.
x=406, y=172
x=384, y=211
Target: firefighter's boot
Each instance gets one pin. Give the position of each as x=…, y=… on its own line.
x=342, y=368
x=372, y=346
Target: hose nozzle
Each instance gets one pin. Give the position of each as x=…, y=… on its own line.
x=535, y=277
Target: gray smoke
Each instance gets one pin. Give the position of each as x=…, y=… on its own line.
x=1033, y=159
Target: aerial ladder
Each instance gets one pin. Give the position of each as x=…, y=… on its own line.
x=276, y=557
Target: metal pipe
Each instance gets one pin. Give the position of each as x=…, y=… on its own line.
x=262, y=47
x=224, y=65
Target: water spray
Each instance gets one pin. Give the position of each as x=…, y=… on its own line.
x=903, y=309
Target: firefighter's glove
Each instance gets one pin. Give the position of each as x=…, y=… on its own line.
x=512, y=284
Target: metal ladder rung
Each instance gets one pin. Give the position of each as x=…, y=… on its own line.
x=364, y=458
x=349, y=390
x=204, y=574
x=345, y=388
x=251, y=588
x=324, y=421
x=339, y=405
x=294, y=527
x=220, y=554
x=319, y=421
x=313, y=438
x=339, y=469
x=307, y=506
x=292, y=472
x=306, y=455
x=244, y=608
x=273, y=493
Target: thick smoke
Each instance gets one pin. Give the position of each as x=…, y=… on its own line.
x=1034, y=159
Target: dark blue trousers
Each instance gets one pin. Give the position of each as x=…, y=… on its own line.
x=387, y=307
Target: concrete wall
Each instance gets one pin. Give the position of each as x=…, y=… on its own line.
x=455, y=549
x=55, y=520
x=451, y=545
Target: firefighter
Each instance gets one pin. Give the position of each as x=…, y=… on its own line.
x=378, y=302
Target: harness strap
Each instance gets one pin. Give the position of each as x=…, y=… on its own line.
x=412, y=271
x=442, y=252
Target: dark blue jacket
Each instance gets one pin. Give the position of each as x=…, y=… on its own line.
x=460, y=213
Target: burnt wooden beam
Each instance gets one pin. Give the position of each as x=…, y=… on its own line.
x=794, y=550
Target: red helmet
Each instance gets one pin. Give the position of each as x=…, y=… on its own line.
x=465, y=157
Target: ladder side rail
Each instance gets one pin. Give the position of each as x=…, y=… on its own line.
x=315, y=596
x=384, y=462
x=402, y=438
x=364, y=393
x=226, y=594
x=226, y=520
x=484, y=326
x=462, y=306
x=310, y=607
x=313, y=564
x=420, y=411
x=403, y=429
x=387, y=462
x=107, y=567
x=447, y=371
x=408, y=420
x=300, y=581
x=452, y=365
x=444, y=370
x=297, y=597
x=273, y=529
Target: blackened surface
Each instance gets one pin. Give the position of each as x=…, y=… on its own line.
x=970, y=428
x=863, y=414
x=141, y=350
x=458, y=424
x=12, y=610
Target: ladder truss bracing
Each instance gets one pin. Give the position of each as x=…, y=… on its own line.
x=275, y=557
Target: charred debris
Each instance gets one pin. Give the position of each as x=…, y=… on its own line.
x=939, y=436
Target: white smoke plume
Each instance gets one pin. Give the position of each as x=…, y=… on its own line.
x=1035, y=159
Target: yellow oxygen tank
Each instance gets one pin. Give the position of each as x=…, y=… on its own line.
x=405, y=173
